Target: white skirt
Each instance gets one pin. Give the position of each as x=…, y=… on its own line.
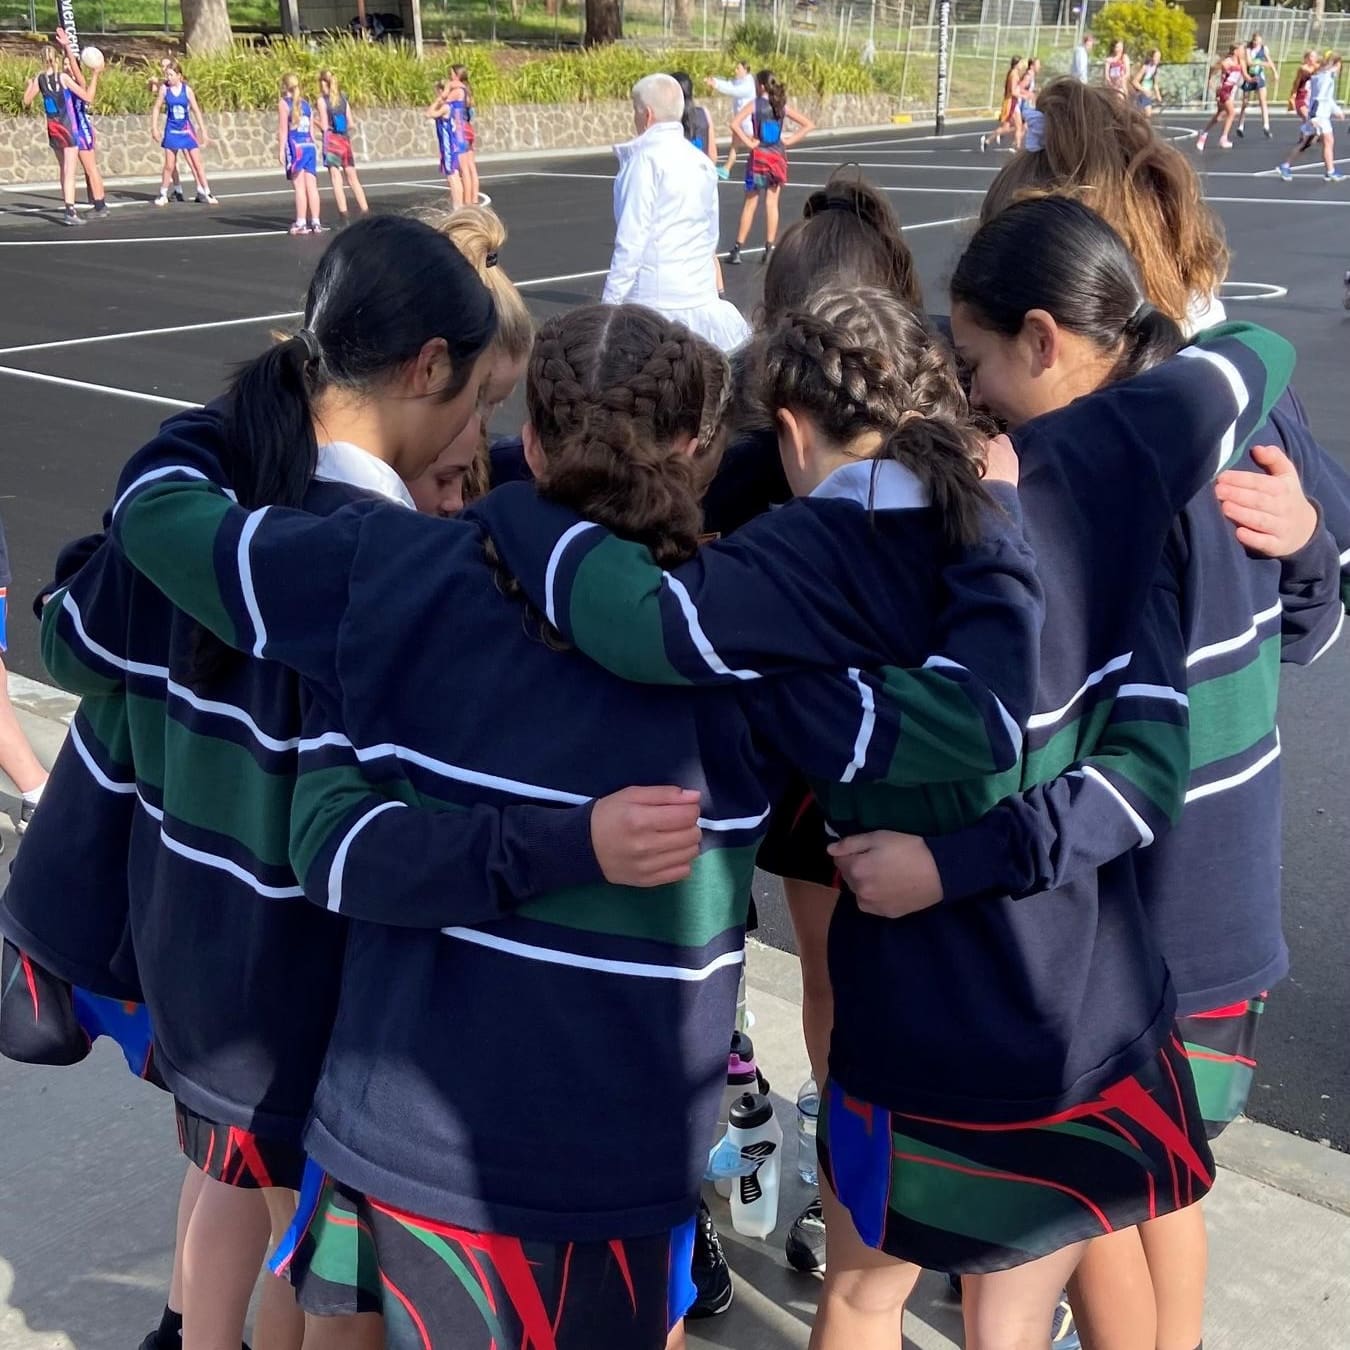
x=719, y=322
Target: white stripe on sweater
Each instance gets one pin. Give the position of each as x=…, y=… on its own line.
x=1048, y=719
x=340, y=857
x=639, y=969
x=155, y=474
x=1237, y=779
x=1135, y=819
x=1014, y=732
x=246, y=579
x=865, y=727
x=1233, y=643
x=699, y=637
x=554, y=558
x=1237, y=387
x=1163, y=692
x=101, y=778
x=1331, y=641
x=516, y=787
x=99, y=650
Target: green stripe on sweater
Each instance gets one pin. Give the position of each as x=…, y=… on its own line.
x=943, y=735
x=619, y=576
x=1233, y=712
x=65, y=662
x=173, y=528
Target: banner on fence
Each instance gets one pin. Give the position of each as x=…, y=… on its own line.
x=944, y=55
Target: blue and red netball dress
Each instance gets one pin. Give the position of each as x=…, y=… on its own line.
x=301, y=154
x=767, y=166
x=60, y=114
x=337, y=145
x=447, y=143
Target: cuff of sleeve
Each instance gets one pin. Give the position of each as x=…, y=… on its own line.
x=975, y=861
x=1005, y=496
x=557, y=844
x=1309, y=564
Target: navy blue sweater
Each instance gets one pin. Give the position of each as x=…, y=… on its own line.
x=1035, y=1005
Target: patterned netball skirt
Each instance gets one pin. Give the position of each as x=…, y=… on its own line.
x=445, y=1288
x=46, y=1020
x=794, y=844
x=1221, y=1048
x=238, y=1157
x=970, y=1198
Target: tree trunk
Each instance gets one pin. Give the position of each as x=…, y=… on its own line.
x=683, y=10
x=604, y=22
x=206, y=26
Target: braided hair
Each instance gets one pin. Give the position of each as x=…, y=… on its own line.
x=860, y=360
x=614, y=392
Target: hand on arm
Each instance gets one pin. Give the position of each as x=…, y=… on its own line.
x=1271, y=514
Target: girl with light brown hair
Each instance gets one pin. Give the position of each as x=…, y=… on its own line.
x=1103, y=149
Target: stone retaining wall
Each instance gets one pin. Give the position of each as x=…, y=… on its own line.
x=248, y=140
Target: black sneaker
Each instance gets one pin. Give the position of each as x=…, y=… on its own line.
x=805, y=1246
x=101, y=211
x=712, y=1275
x=1346, y=299
x=734, y=257
x=1239, y=133
x=178, y=195
x=766, y=255
x=1269, y=135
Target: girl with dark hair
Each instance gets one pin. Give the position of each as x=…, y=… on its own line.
x=762, y=128
x=412, y=1128
x=1020, y=1049
x=1118, y=69
x=1048, y=308
x=697, y=122
x=1148, y=91
x=385, y=371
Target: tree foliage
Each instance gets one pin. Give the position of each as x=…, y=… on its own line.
x=1145, y=24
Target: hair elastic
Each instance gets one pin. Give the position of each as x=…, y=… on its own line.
x=490, y=260
x=313, y=351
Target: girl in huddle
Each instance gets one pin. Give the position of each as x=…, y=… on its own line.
x=762, y=128
x=462, y=108
x=988, y=1082
x=176, y=101
x=447, y=143
x=321, y=420
x=335, y=125
x=461, y=472
x=298, y=154
x=1010, y=113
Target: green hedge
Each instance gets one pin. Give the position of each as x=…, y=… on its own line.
x=389, y=75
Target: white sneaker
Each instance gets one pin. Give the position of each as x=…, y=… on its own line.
x=162, y=199
x=1225, y=143
x=206, y=199
x=1200, y=143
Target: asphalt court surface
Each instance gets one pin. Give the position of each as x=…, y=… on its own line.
x=106, y=330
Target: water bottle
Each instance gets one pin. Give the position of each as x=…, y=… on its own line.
x=754, y=1198
x=741, y=1078
x=808, y=1110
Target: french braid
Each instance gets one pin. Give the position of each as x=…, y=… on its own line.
x=860, y=361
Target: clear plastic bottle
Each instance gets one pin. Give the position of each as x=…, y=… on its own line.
x=808, y=1111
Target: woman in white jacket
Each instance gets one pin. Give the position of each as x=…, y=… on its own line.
x=666, y=222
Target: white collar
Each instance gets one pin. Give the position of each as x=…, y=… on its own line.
x=893, y=488
x=343, y=462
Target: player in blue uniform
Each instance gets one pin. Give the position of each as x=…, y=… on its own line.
x=80, y=95
x=182, y=122
x=461, y=115
x=335, y=125
x=54, y=84
x=447, y=142
x=299, y=155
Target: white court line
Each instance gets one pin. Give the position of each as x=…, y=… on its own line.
x=150, y=332
x=1261, y=290
x=950, y=192
x=143, y=239
x=295, y=314
x=99, y=388
x=906, y=140
x=1280, y=201
x=925, y=168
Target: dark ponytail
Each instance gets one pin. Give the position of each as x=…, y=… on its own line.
x=774, y=91
x=384, y=288
x=946, y=457
x=1053, y=253
x=687, y=89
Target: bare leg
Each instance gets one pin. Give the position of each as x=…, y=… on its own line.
x=771, y=216
x=16, y=755
x=339, y=192
x=471, y=190
x=166, y=177
x=1329, y=152
x=1228, y=123
x=222, y=1251
x=747, y=216
x=67, y=159
x=1264, y=101
x=281, y=1324
x=1112, y=1293
x=187, y=1202
x=360, y=1331
x=1177, y=1250
x=456, y=186
x=862, y=1301
x=92, y=177
x=194, y=159
x=676, y=1341
x=312, y=196
x=811, y=908
x=354, y=182
x=298, y=182
x=1013, y=1309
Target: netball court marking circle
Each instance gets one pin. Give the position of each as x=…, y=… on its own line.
x=1251, y=291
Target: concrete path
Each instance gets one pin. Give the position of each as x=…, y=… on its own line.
x=89, y=1178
